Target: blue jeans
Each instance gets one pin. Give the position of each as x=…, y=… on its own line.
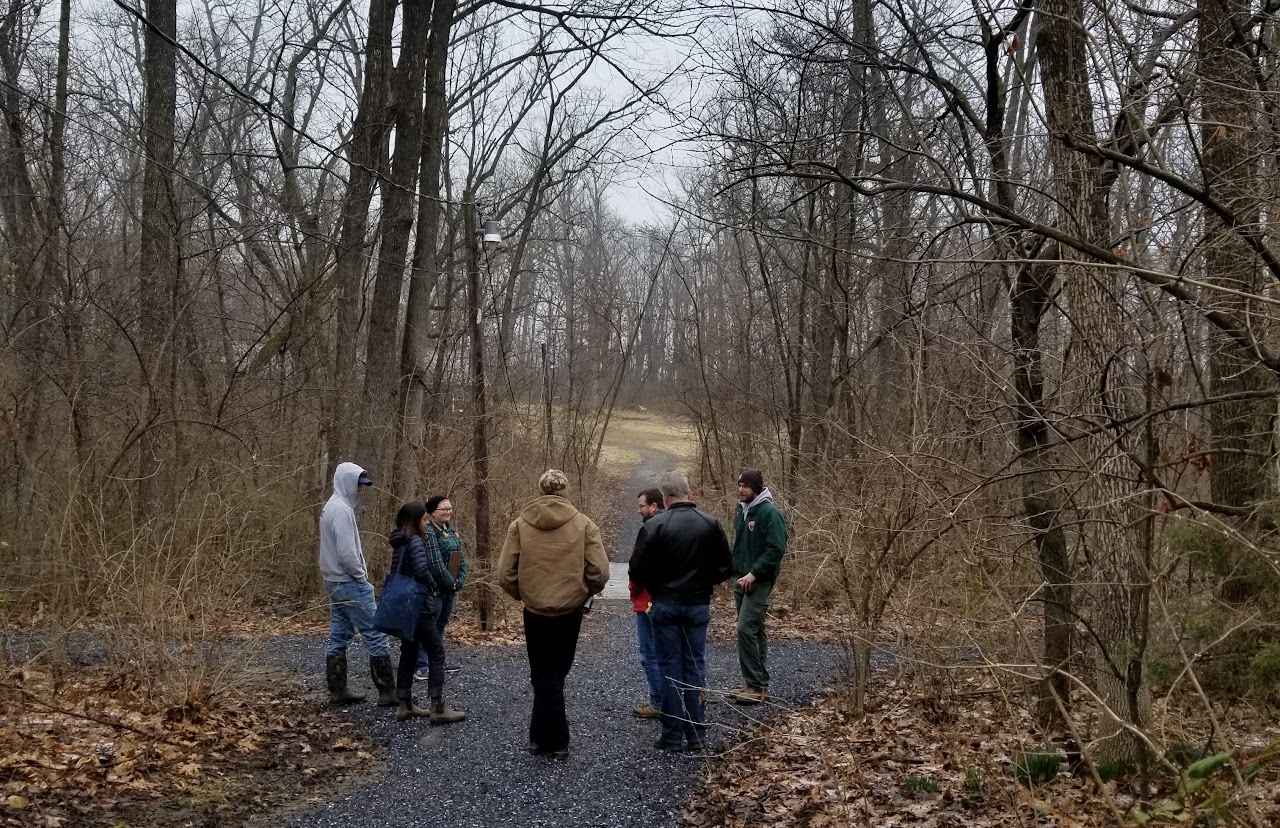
x=351, y=608
x=649, y=657
x=680, y=634
x=442, y=621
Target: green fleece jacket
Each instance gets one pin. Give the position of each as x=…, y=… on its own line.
x=759, y=538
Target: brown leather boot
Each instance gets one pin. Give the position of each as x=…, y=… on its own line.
x=749, y=695
x=335, y=675
x=441, y=713
x=407, y=710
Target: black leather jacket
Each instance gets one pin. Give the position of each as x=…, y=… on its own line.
x=680, y=555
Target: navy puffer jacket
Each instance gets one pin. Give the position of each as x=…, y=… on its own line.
x=425, y=563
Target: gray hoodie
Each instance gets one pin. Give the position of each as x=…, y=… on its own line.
x=341, y=555
x=760, y=498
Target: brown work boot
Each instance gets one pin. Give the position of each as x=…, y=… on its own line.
x=749, y=695
x=646, y=711
x=335, y=676
x=407, y=710
x=441, y=713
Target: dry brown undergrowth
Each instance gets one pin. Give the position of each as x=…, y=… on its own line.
x=819, y=766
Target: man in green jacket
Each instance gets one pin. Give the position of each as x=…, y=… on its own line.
x=759, y=539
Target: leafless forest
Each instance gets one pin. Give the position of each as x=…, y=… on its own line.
x=987, y=289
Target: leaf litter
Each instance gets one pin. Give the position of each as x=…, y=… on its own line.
x=95, y=748
x=822, y=766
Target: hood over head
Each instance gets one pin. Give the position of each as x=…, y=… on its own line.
x=548, y=512
x=346, y=481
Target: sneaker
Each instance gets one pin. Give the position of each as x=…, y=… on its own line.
x=421, y=675
x=562, y=753
x=450, y=666
x=749, y=695
x=646, y=711
x=670, y=747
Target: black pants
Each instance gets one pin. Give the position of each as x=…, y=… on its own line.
x=551, y=642
x=429, y=639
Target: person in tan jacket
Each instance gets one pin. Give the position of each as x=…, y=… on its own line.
x=552, y=561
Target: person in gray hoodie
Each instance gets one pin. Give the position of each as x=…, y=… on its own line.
x=351, y=600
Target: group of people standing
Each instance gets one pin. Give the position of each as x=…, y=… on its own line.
x=553, y=561
x=680, y=555
x=425, y=546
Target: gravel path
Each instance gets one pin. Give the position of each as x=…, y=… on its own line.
x=477, y=775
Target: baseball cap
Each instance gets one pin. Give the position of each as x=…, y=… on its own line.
x=365, y=480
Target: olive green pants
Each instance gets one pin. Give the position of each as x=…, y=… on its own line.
x=753, y=646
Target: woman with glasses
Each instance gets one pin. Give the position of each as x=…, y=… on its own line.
x=414, y=553
x=440, y=527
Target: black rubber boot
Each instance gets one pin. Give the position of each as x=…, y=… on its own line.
x=335, y=674
x=384, y=679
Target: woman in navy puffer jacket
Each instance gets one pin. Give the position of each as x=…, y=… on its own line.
x=411, y=541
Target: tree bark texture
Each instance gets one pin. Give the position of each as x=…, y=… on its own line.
x=1093, y=300
x=364, y=154
x=158, y=256
x=379, y=408
x=1229, y=158
x=425, y=268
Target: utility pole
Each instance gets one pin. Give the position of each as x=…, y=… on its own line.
x=480, y=447
x=547, y=382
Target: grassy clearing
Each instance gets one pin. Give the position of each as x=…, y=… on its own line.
x=617, y=460
x=653, y=431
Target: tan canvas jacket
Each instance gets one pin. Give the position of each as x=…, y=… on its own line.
x=553, y=558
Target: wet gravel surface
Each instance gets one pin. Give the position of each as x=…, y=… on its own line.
x=476, y=774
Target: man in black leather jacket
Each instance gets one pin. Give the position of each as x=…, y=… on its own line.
x=680, y=555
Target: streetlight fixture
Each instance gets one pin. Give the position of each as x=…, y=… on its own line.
x=492, y=236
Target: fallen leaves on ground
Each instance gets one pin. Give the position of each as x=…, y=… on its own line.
x=464, y=629
x=784, y=622
x=94, y=748
x=808, y=624
x=821, y=766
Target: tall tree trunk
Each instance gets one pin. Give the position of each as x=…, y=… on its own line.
x=1041, y=501
x=364, y=156
x=1229, y=106
x=379, y=408
x=158, y=255
x=26, y=320
x=1092, y=298
x=1030, y=297
x=426, y=265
